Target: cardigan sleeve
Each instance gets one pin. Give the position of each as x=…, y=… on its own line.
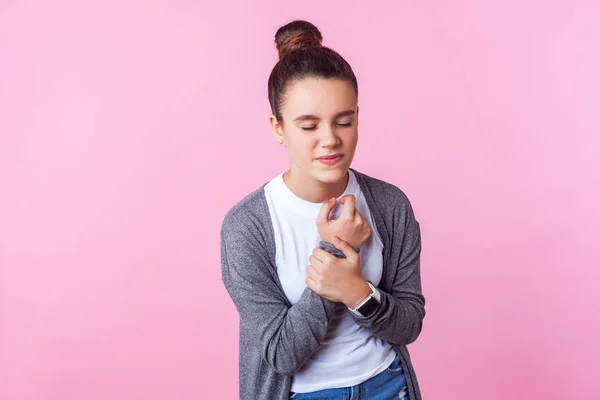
x=286, y=336
x=330, y=248
x=399, y=318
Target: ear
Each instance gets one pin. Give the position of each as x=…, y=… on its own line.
x=277, y=129
x=357, y=108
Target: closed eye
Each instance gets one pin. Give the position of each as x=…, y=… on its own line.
x=312, y=128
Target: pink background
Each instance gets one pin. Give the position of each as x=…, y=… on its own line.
x=128, y=129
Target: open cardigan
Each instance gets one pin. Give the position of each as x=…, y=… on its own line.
x=276, y=338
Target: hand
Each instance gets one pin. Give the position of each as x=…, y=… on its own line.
x=351, y=226
x=337, y=279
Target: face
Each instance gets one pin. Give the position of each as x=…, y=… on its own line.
x=319, y=128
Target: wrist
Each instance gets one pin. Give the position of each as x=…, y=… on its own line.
x=358, y=292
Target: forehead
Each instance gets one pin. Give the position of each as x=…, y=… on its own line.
x=318, y=96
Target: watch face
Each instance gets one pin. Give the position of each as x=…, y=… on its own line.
x=369, y=307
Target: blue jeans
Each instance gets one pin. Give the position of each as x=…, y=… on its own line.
x=387, y=385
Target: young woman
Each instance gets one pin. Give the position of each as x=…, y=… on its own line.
x=322, y=261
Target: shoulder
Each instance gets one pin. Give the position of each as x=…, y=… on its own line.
x=249, y=214
x=385, y=194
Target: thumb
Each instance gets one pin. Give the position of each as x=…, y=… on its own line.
x=326, y=208
x=344, y=247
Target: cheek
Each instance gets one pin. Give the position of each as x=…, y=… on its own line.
x=351, y=139
x=303, y=146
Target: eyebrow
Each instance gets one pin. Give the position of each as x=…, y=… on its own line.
x=311, y=117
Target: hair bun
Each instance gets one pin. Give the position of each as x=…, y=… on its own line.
x=297, y=35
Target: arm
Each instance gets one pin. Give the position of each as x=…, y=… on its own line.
x=399, y=318
x=286, y=336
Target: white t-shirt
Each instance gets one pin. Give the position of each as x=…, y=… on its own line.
x=350, y=354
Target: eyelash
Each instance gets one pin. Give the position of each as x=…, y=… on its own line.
x=312, y=128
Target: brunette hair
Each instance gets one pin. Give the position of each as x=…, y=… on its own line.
x=302, y=55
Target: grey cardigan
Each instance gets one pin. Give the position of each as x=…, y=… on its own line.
x=276, y=338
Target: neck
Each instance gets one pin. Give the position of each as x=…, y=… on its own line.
x=312, y=190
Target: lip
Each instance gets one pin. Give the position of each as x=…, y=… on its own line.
x=331, y=159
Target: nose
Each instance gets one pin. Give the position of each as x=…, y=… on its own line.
x=329, y=137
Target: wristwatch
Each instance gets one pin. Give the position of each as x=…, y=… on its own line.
x=367, y=307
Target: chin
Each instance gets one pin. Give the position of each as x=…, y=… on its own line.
x=331, y=175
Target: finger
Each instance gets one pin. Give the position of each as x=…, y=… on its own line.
x=349, y=202
x=326, y=208
x=312, y=272
x=319, y=253
x=344, y=247
x=311, y=284
x=323, y=255
x=315, y=263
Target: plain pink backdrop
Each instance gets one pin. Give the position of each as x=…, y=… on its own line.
x=129, y=128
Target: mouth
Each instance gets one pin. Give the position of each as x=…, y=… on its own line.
x=331, y=159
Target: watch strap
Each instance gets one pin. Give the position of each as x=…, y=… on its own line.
x=366, y=307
